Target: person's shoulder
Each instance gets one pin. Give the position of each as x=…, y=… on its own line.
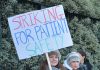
x=88, y=64
x=54, y=68
x=82, y=67
x=66, y=68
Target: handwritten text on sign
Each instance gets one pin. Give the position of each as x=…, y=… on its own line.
x=40, y=31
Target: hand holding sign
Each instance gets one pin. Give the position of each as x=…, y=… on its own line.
x=40, y=31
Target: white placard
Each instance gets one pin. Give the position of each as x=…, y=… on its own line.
x=40, y=31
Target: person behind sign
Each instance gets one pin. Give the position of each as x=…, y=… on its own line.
x=85, y=64
x=72, y=61
x=54, y=57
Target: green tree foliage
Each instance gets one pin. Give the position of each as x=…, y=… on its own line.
x=89, y=8
x=83, y=18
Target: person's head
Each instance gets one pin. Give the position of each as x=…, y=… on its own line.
x=73, y=60
x=82, y=56
x=54, y=57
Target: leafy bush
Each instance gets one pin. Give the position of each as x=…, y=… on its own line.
x=83, y=21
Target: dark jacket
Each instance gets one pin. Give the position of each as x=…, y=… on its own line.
x=83, y=67
x=88, y=65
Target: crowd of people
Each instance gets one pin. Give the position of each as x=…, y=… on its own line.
x=74, y=61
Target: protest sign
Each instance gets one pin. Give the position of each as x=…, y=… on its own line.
x=40, y=31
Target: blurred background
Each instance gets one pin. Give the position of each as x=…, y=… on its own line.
x=83, y=18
